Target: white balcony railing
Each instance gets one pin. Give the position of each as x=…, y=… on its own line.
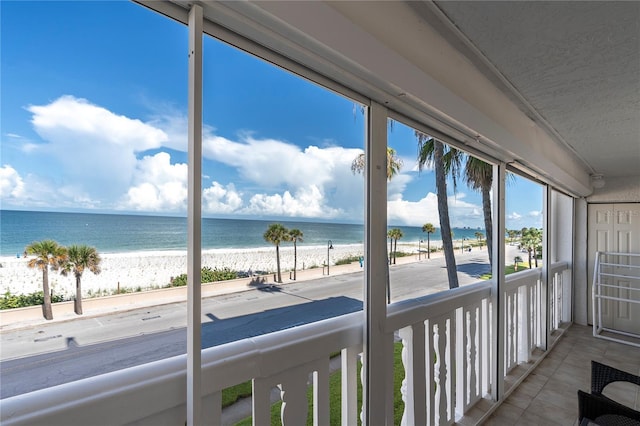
x=446, y=354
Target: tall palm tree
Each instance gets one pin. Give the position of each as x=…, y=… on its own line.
x=394, y=164
x=295, y=235
x=446, y=161
x=479, y=176
x=480, y=236
x=395, y=234
x=276, y=234
x=390, y=236
x=81, y=257
x=48, y=255
x=429, y=229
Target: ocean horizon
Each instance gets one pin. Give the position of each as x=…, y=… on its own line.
x=118, y=233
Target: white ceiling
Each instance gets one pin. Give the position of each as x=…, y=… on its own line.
x=573, y=65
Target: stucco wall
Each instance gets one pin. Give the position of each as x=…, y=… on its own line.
x=617, y=190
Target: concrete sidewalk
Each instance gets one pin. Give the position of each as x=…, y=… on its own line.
x=14, y=319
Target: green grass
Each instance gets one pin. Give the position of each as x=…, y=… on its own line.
x=508, y=269
x=234, y=393
x=335, y=394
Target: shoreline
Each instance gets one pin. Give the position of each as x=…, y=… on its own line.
x=150, y=270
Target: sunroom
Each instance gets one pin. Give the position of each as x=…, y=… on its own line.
x=546, y=91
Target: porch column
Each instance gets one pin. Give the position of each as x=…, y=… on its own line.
x=545, y=278
x=497, y=273
x=375, y=243
x=194, y=220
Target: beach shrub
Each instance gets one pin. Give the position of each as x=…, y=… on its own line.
x=208, y=276
x=10, y=301
x=348, y=260
x=403, y=254
x=212, y=275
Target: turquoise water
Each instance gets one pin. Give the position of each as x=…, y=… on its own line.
x=111, y=233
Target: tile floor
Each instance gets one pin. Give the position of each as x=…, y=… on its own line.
x=548, y=396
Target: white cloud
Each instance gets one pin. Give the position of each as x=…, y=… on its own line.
x=514, y=216
x=306, y=202
x=93, y=154
x=397, y=185
x=76, y=118
x=413, y=213
x=95, y=147
x=158, y=185
x=220, y=199
x=309, y=182
x=11, y=183
x=535, y=213
x=417, y=213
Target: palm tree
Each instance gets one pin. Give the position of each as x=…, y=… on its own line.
x=480, y=236
x=512, y=234
x=479, y=176
x=295, y=235
x=395, y=234
x=81, y=257
x=531, y=239
x=429, y=229
x=276, y=234
x=393, y=163
x=48, y=255
x=445, y=162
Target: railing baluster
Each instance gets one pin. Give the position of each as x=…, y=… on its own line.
x=261, y=402
x=462, y=359
x=414, y=383
x=474, y=368
x=293, y=392
x=441, y=376
x=321, y=394
x=431, y=357
x=451, y=367
x=349, y=361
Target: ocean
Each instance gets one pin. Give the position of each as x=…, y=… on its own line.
x=115, y=233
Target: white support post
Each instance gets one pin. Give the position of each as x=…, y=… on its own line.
x=546, y=279
x=375, y=306
x=194, y=220
x=349, y=371
x=497, y=294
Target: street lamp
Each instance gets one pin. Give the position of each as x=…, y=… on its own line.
x=462, y=247
x=329, y=247
x=419, y=250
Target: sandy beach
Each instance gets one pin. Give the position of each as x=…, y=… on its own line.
x=154, y=269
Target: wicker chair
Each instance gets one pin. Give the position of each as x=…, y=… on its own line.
x=601, y=409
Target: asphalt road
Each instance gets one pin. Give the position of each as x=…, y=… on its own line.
x=52, y=354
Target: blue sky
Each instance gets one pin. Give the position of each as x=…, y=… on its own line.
x=93, y=118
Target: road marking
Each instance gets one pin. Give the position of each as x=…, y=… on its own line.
x=44, y=339
x=150, y=318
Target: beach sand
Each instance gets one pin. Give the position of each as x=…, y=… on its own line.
x=148, y=270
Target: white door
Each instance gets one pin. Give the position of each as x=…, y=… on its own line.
x=616, y=228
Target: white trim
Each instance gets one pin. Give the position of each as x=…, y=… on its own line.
x=375, y=306
x=194, y=221
x=498, y=281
